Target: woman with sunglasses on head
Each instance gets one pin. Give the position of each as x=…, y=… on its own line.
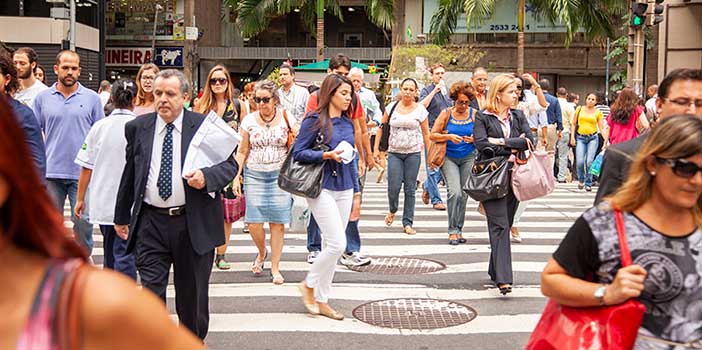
x=145, y=95
x=661, y=205
x=260, y=156
x=409, y=135
x=584, y=135
x=38, y=263
x=501, y=131
x=455, y=127
x=217, y=97
x=331, y=123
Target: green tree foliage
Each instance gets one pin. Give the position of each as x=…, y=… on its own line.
x=454, y=58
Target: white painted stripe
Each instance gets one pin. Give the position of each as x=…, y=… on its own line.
x=401, y=250
x=289, y=322
x=443, y=214
x=364, y=292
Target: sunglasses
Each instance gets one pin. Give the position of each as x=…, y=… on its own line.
x=221, y=81
x=262, y=99
x=464, y=103
x=519, y=87
x=681, y=167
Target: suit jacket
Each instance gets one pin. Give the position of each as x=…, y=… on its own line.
x=204, y=213
x=487, y=125
x=615, y=166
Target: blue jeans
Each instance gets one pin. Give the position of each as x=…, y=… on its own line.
x=116, y=256
x=353, y=238
x=431, y=184
x=585, y=152
x=59, y=189
x=456, y=172
x=403, y=168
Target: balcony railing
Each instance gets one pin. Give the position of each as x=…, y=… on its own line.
x=298, y=53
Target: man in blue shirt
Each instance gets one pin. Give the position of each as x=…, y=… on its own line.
x=434, y=97
x=555, y=119
x=66, y=112
x=24, y=114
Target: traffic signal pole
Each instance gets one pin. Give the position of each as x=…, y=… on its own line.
x=635, y=67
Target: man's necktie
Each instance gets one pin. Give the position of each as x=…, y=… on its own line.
x=165, y=187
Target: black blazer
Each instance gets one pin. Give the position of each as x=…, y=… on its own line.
x=615, y=166
x=204, y=213
x=487, y=125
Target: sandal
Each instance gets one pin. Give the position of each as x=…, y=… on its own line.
x=410, y=231
x=453, y=239
x=221, y=263
x=389, y=218
x=278, y=279
x=380, y=176
x=257, y=267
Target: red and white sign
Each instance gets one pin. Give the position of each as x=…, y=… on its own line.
x=127, y=56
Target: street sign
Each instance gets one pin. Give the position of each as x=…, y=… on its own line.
x=136, y=56
x=191, y=33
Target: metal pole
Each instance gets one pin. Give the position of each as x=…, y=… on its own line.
x=153, y=37
x=102, y=71
x=607, y=69
x=72, y=26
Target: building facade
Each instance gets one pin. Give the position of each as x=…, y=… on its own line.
x=680, y=36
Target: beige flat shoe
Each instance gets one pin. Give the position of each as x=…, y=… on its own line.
x=308, y=298
x=410, y=231
x=327, y=311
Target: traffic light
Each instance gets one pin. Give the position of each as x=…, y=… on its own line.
x=657, y=13
x=638, y=14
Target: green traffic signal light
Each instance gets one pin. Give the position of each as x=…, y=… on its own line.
x=637, y=21
x=638, y=14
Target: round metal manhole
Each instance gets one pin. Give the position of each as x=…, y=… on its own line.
x=414, y=313
x=396, y=265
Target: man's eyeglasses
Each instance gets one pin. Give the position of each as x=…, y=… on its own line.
x=686, y=102
x=262, y=99
x=681, y=167
x=221, y=81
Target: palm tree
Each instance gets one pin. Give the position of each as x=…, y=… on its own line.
x=255, y=15
x=594, y=17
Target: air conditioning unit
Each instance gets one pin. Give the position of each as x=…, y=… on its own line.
x=60, y=13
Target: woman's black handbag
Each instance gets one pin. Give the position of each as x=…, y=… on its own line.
x=489, y=177
x=384, y=143
x=303, y=179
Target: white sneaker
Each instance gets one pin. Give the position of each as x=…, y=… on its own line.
x=354, y=259
x=312, y=256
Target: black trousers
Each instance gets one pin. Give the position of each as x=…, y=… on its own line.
x=500, y=217
x=163, y=240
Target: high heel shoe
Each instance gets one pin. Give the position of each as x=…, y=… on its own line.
x=505, y=288
x=308, y=298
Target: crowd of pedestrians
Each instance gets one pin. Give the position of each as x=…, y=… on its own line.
x=159, y=216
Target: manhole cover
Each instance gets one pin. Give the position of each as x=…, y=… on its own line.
x=395, y=265
x=414, y=313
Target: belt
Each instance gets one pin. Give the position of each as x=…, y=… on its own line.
x=174, y=211
x=587, y=135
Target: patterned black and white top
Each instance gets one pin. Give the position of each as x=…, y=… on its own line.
x=673, y=286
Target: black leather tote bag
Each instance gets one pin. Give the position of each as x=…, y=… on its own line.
x=303, y=179
x=489, y=177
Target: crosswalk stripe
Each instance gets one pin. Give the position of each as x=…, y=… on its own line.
x=300, y=322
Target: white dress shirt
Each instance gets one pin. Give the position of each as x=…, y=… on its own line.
x=151, y=195
x=295, y=102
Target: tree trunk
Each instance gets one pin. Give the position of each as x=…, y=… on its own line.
x=520, y=37
x=320, y=30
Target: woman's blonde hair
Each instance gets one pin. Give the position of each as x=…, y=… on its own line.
x=142, y=98
x=208, y=102
x=497, y=86
x=674, y=138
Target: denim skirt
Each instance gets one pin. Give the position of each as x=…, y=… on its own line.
x=265, y=201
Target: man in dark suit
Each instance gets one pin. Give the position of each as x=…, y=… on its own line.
x=171, y=220
x=680, y=92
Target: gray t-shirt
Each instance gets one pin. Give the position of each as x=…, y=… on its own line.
x=28, y=95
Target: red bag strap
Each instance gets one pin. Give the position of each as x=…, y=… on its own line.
x=623, y=247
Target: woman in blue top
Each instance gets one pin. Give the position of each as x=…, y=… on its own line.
x=332, y=208
x=455, y=127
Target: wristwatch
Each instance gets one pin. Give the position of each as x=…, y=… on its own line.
x=600, y=294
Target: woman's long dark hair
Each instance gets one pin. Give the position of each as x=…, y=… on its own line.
x=28, y=218
x=624, y=106
x=329, y=86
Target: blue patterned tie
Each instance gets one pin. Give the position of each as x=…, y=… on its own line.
x=165, y=187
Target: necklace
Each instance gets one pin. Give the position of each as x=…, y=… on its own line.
x=267, y=122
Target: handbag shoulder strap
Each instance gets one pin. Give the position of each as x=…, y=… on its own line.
x=392, y=110
x=69, y=307
x=623, y=246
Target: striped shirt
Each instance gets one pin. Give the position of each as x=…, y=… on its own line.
x=295, y=102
